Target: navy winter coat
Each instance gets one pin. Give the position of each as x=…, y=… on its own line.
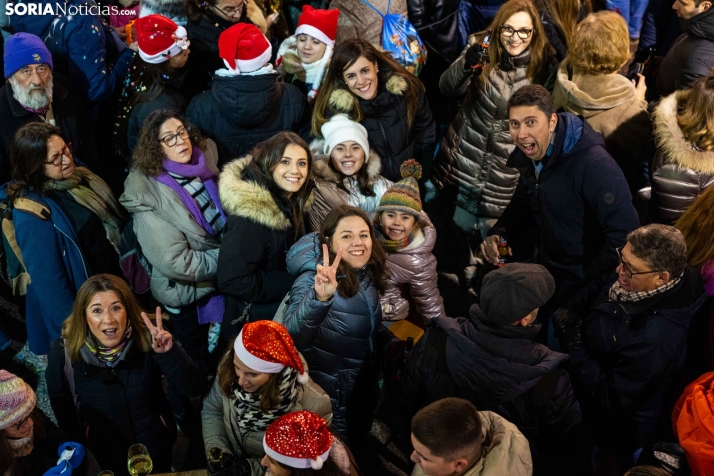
x=336, y=337
x=633, y=352
x=124, y=404
x=238, y=112
x=580, y=206
x=79, y=48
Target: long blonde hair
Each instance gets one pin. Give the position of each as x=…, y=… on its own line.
x=695, y=114
x=697, y=226
x=566, y=14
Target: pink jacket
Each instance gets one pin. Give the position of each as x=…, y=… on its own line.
x=412, y=278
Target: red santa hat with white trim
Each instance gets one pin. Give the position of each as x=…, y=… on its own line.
x=299, y=440
x=266, y=346
x=159, y=38
x=244, y=48
x=320, y=24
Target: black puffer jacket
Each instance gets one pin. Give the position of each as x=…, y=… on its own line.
x=680, y=172
x=691, y=56
x=437, y=22
x=336, y=337
x=238, y=112
x=251, y=262
x=385, y=118
x=500, y=369
x=624, y=375
x=122, y=405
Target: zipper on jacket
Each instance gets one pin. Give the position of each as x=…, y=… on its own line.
x=78, y=249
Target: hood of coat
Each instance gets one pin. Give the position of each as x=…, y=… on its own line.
x=321, y=164
x=589, y=95
x=504, y=450
x=701, y=26
x=670, y=140
x=246, y=101
x=343, y=101
x=248, y=199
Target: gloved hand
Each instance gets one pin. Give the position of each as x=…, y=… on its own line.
x=475, y=55
x=569, y=327
x=78, y=455
x=62, y=469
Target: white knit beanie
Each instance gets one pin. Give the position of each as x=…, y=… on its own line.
x=340, y=128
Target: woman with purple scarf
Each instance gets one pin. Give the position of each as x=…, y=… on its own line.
x=172, y=193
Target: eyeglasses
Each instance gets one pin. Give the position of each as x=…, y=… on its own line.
x=57, y=158
x=231, y=11
x=627, y=271
x=23, y=421
x=171, y=139
x=523, y=33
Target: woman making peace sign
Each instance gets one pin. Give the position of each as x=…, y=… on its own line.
x=334, y=314
x=117, y=356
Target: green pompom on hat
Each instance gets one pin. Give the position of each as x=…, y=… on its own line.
x=403, y=196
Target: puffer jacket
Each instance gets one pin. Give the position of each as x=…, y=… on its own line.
x=183, y=256
x=124, y=404
x=258, y=235
x=411, y=285
x=337, y=337
x=609, y=104
x=680, y=172
x=471, y=164
x=330, y=193
x=385, y=118
x=220, y=429
x=238, y=112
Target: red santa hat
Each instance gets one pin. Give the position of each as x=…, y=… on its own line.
x=320, y=24
x=159, y=38
x=299, y=440
x=244, y=48
x=266, y=346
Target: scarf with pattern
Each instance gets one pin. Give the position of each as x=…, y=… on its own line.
x=97, y=198
x=617, y=294
x=104, y=353
x=22, y=446
x=392, y=245
x=251, y=418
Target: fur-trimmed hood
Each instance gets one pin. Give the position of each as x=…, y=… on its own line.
x=321, y=164
x=342, y=100
x=670, y=140
x=248, y=199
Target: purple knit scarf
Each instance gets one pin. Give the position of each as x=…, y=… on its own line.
x=210, y=308
x=41, y=111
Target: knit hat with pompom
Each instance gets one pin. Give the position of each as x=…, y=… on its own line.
x=403, y=196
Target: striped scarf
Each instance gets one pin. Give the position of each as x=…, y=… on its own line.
x=195, y=187
x=249, y=415
x=391, y=245
x=104, y=353
x=617, y=294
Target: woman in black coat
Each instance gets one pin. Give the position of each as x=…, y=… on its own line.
x=264, y=196
x=117, y=362
x=370, y=87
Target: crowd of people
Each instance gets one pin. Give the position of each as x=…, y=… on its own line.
x=499, y=245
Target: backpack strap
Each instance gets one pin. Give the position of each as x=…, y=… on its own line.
x=33, y=207
x=389, y=3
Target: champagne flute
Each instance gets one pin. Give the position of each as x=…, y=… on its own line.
x=139, y=463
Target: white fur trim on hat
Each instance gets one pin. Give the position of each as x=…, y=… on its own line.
x=179, y=45
x=250, y=360
x=248, y=66
x=298, y=463
x=340, y=128
x=315, y=33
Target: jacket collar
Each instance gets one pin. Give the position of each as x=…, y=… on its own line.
x=669, y=138
x=343, y=101
x=567, y=133
x=58, y=94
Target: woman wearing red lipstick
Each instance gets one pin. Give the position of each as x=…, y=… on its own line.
x=72, y=233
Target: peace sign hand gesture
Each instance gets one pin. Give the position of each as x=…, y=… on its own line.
x=161, y=340
x=326, y=277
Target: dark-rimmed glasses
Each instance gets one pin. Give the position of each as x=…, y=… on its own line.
x=171, y=139
x=56, y=159
x=523, y=33
x=627, y=271
x=231, y=11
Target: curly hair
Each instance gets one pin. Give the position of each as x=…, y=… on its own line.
x=149, y=153
x=695, y=114
x=601, y=44
x=697, y=226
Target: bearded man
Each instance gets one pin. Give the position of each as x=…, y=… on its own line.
x=33, y=94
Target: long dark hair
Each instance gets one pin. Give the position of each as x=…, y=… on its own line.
x=28, y=155
x=344, y=56
x=7, y=456
x=265, y=157
x=348, y=286
x=362, y=176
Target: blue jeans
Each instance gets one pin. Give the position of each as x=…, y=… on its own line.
x=632, y=11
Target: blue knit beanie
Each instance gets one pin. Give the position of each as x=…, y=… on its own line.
x=23, y=49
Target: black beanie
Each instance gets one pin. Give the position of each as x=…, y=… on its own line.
x=511, y=293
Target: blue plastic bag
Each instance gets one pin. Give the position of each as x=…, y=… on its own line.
x=401, y=40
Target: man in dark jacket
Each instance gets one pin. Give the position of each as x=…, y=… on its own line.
x=692, y=55
x=34, y=93
x=631, y=345
x=571, y=197
x=492, y=360
x=246, y=103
